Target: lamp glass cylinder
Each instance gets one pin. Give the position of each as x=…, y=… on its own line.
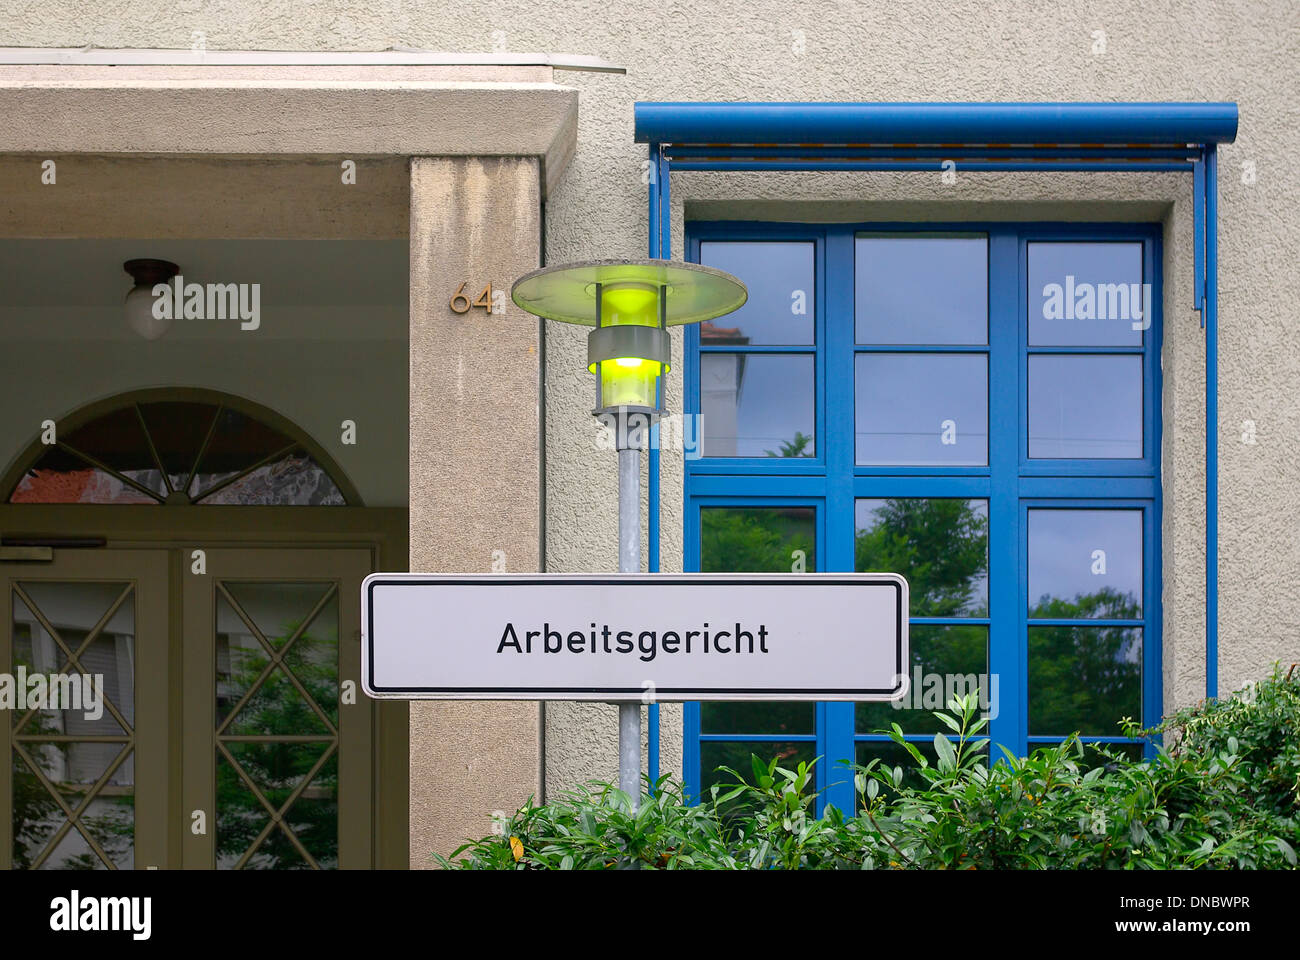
x=628, y=381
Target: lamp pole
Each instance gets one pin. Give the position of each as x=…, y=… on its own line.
x=629, y=561
x=631, y=304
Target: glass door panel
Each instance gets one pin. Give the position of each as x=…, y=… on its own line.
x=278, y=754
x=84, y=785
x=277, y=725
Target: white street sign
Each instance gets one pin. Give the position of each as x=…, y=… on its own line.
x=810, y=636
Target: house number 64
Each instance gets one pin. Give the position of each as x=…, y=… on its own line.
x=492, y=301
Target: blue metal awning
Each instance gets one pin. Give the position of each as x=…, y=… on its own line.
x=952, y=124
x=1110, y=137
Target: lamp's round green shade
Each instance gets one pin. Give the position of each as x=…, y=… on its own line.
x=567, y=292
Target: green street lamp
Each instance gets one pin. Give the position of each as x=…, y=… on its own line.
x=630, y=304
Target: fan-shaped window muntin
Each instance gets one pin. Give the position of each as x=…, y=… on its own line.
x=167, y=451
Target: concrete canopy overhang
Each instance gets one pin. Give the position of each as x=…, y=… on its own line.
x=159, y=103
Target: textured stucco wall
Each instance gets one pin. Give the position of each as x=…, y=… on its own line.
x=978, y=51
x=890, y=50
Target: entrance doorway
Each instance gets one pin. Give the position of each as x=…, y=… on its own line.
x=212, y=641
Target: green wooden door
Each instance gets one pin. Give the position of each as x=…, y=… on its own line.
x=278, y=753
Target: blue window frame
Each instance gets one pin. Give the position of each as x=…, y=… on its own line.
x=985, y=406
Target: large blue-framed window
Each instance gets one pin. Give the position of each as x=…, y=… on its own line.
x=972, y=405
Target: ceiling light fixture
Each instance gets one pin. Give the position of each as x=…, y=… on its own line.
x=140, y=299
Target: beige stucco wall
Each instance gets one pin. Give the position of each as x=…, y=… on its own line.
x=475, y=469
x=980, y=51
x=890, y=50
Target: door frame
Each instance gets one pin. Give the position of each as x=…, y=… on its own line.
x=381, y=530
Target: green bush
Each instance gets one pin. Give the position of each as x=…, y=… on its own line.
x=1225, y=795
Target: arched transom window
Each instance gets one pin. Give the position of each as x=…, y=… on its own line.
x=177, y=452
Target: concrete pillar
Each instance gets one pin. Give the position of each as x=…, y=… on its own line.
x=475, y=467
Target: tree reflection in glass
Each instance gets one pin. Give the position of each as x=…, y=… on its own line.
x=755, y=540
x=1084, y=565
x=283, y=766
x=941, y=546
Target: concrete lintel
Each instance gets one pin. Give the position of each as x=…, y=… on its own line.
x=148, y=55
x=223, y=115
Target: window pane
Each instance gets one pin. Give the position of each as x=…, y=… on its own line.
x=116, y=440
x=1087, y=408
x=893, y=755
x=757, y=540
x=237, y=443
x=111, y=459
x=947, y=661
x=178, y=429
x=940, y=545
x=757, y=718
x=921, y=289
x=294, y=480
x=277, y=771
x=1085, y=563
x=714, y=754
x=1092, y=755
x=1084, y=679
x=63, y=477
x=1087, y=294
x=757, y=405
x=922, y=409
x=273, y=703
x=780, y=279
